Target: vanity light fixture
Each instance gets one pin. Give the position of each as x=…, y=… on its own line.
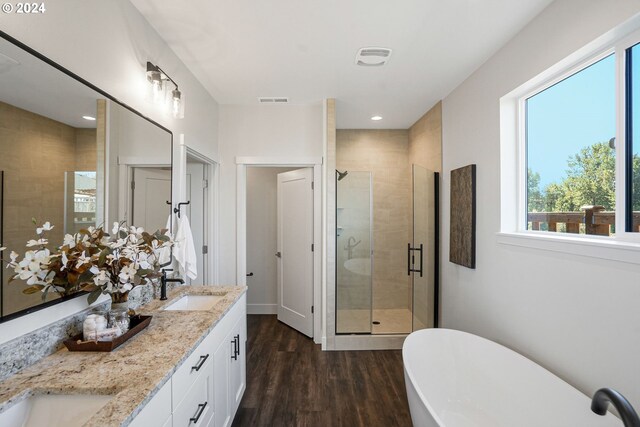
x=376, y=118
x=159, y=80
x=89, y=118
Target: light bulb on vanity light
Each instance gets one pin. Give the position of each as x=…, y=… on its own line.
x=157, y=91
x=176, y=103
x=154, y=76
x=376, y=118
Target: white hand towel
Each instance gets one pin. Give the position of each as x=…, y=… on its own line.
x=184, y=250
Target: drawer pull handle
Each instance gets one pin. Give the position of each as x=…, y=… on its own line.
x=195, y=419
x=237, y=339
x=200, y=363
x=234, y=356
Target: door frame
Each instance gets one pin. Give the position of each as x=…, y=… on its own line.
x=241, y=226
x=211, y=218
x=126, y=165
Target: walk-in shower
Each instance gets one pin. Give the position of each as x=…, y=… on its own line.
x=386, y=236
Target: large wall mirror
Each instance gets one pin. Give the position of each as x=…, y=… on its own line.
x=72, y=155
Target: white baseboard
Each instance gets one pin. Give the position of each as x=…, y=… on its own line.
x=262, y=308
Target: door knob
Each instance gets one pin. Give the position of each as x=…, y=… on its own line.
x=250, y=274
x=278, y=254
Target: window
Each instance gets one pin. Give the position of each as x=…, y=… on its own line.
x=570, y=153
x=580, y=147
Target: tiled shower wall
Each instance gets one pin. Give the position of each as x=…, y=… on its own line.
x=385, y=153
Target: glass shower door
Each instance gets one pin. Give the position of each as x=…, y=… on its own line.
x=425, y=211
x=354, y=252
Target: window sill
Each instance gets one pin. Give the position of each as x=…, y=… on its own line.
x=602, y=248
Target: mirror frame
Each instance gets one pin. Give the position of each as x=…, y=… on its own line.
x=79, y=79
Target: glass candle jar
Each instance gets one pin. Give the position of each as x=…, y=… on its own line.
x=119, y=318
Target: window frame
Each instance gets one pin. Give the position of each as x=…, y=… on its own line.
x=624, y=167
x=618, y=48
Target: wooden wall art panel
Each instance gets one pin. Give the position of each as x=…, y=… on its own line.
x=462, y=248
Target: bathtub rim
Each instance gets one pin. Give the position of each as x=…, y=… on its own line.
x=432, y=331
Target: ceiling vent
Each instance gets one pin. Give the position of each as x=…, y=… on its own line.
x=373, y=56
x=273, y=100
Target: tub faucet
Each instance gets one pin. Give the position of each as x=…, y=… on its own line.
x=163, y=283
x=604, y=396
x=350, y=246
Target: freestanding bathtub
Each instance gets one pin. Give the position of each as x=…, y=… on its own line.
x=456, y=379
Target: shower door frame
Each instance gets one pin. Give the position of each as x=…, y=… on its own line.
x=435, y=255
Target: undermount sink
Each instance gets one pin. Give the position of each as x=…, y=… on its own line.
x=194, y=303
x=54, y=410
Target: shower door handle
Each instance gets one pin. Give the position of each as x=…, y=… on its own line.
x=411, y=259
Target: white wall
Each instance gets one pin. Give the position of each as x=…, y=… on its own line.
x=578, y=317
x=262, y=201
x=108, y=43
x=268, y=131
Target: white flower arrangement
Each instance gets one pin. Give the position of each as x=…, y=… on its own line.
x=93, y=261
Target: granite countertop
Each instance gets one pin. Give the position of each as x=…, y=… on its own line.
x=135, y=371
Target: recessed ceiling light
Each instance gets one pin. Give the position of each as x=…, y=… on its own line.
x=376, y=118
x=88, y=118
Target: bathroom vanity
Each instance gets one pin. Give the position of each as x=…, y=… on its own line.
x=188, y=368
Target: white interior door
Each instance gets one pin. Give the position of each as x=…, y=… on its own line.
x=295, y=253
x=150, y=191
x=197, y=185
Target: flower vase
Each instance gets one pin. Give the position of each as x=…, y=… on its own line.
x=120, y=301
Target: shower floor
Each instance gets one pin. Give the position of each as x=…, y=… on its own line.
x=392, y=321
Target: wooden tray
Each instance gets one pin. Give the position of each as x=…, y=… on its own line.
x=137, y=324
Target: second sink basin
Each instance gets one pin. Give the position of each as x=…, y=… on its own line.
x=54, y=410
x=195, y=302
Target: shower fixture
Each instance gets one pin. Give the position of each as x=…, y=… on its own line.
x=341, y=174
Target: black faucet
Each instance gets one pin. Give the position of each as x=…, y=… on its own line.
x=163, y=283
x=601, y=401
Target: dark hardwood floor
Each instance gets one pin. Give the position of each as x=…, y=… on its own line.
x=291, y=382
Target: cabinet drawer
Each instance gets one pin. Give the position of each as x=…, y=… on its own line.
x=197, y=363
x=196, y=409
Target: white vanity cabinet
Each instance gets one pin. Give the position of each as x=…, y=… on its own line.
x=196, y=407
x=237, y=364
x=205, y=391
x=229, y=365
